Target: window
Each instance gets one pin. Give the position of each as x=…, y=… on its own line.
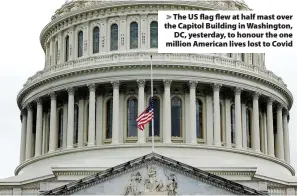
x=67, y=48
x=156, y=102
x=75, y=135
x=229, y=55
x=199, y=122
x=154, y=34
x=133, y=35
x=96, y=36
x=80, y=44
x=56, y=53
x=132, y=113
x=232, y=123
x=109, y=107
x=249, y=128
x=114, y=37
x=176, y=117
x=60, y=128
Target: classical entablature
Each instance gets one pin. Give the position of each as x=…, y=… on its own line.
x=153, y=174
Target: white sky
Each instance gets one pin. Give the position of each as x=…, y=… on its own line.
x=22, y=56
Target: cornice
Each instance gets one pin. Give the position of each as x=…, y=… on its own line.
x=125, y=61
x=99, y=9
x=189, y=146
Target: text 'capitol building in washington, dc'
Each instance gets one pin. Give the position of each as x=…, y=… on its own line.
x=220, y=120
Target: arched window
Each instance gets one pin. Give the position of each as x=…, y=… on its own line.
x=109, y=107
x=75, y=134
x=176, y=117
x=156, y=106
x=67, y=48
x=132, y=113
x=249, y=128
x=199, y=120
x=96, y=40
x=133, y=35
x=154, y=34
x=56, y=53
x=60, y=128
x=114, y=37
x=80, y=44
x=232, y=123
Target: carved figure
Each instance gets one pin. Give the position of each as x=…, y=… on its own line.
x=133, y=187
x=172, y=185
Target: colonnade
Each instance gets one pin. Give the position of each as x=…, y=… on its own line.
x=273, y=139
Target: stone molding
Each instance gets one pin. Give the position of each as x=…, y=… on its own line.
x=175, y=145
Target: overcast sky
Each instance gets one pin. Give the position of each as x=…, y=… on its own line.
x=22, y=56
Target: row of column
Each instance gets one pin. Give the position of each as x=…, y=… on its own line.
x=213, y=124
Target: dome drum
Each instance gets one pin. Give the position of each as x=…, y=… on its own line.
x=224, y=113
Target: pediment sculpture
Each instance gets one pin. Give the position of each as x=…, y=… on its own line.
x=151, y=184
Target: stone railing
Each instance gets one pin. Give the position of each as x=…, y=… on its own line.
x=143, y=58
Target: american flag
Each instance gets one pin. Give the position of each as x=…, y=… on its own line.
x=146, y=116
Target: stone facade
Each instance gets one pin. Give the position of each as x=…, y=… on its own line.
x=224, y=113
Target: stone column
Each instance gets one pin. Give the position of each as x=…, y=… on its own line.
x=280, y=133
x=270, y=134
x=53, y=123
x=238, y=126
x=29, y=135
x=99, y=119
x=23, y=137
x=39, y=117
x=65, y=124
x=265, y=132
x=256, y=129
x=92, y=110
x=209, y=118
x=141, y=107
x=115, y=112
x=80, y=134
x=70, y=127
x=286, y=137
x=167, y=112
x=193, y=135
x=243, y=117
x=228, y=122
x=216, y=111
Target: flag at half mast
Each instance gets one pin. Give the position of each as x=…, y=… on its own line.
x=146, y=116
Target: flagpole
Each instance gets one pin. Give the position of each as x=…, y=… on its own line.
x=152, y=94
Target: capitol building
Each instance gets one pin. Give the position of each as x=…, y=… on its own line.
x=220, y=120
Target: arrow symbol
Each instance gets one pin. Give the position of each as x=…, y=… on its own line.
x=168, y=17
